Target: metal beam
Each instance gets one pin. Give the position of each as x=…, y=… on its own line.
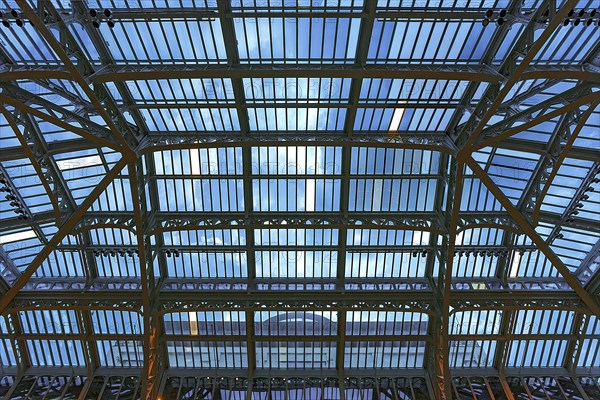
x=563, y=151
x=192, y=140
x=34, y=162
x=86, y=328
x=529, y=230
x=95, y=136
x=257, y=300
x=513, y=68
x=9, y=271
x=19, y=349
x=234, y=220
x=553, y=153
x=360, y=60
x=223, y=285
x=579, y=153
x=34, y=145
x=61, y=147
x=80, y=11
x=585, y=183
x=588, y=272
x=369, y=337
x=120, y=73
x=64, y=230
x=149, y=301
x=533, y=193
x=233, y=59
x=475, y=72
x=127, y=140
x=438, y=245
x=444, y=347
x=494, y=135
x=573, y=350
x=27, y=215
x=136, y=14
x=486, y=59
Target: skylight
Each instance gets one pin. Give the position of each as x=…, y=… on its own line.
x=309, y=199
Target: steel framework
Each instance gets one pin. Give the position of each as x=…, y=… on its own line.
x=366, y=199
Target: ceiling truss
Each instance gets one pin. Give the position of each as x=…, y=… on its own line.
x=440, y=294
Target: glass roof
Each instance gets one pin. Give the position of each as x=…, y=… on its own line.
x=306, y=199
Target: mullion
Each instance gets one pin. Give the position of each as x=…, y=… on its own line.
x=35, y=320
x=161, y=24
x=177, y=40
x=52, y=354
x=474, y=46
x=412, y=52
x=23, y=47
x=143, y=44
x=457, y=26
x=257, y=30
x=385, y=23
x=243, y=20
x=270, y=34
x=380, y=96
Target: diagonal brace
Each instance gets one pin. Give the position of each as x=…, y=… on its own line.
x=529, y=230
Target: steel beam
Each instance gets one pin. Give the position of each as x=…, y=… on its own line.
x=558, y=147
x=19, y=350
x=234, y=220
x=306, y=375
x=494, y=135
x=149, y=377
x=562, y=154
x=444, y=347
x=36, y=148
x=233, y=59
x=579, y=153
x=127, y=141
x=26, y=211
x=192, y=140
x=529, y=230
x=444, y=191
x=360, y=60
x=9, y=271
x=81, y=11
x=120, y=73
x=64, y=230
x=86, y=328
x=486, y=59
x=531, y=199
x=513, y=68
x=371, y=337
x=136, y=14
x=195, y=221
x=61, y=147
x=155, y=354
x=323, y=104
x=573, y=350
x=475, y=72
x=34, y=163
x=588, y=272
x=98, y=137
x=506, y=326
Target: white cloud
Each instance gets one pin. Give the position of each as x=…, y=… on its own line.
x=80, y=162
x=16, y=237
